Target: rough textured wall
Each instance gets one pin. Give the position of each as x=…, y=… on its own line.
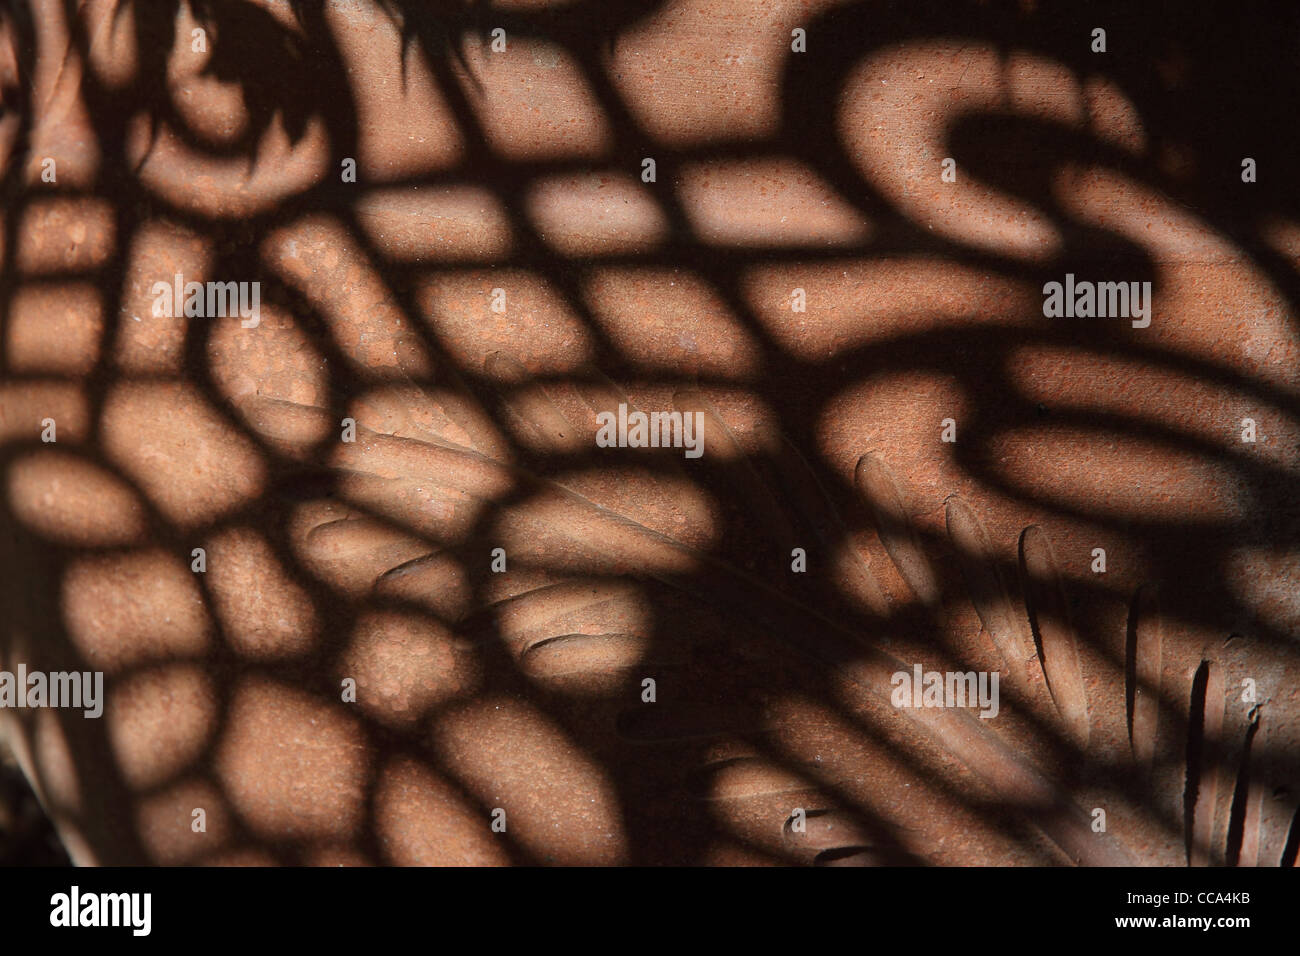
x=333, y=336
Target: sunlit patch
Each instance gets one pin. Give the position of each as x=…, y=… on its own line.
x=293, y=765
x=695, y=71
x=585, y=664
x=159, y=721
x=667, y=503
x=428, y=414
x=435, y=223
x=439, y=583
x=405, y=664
x=112, y=54
x=750, y=798
x=233, y=187
x=596, y=214
x=276, y=379
x=64, y=235
x=1112, y=475
x=212, y=108
x=573, y=606
x=27, y=409
x=532, y=100
x=1248, y=324
x=387, y=457
x=817, y=310
x=513, y=757
x=55, y=329
x=265, y=614
x=346, y=551
x=1112, y=116
x=566, y=533
x=766, y=202
x=915, y=94
x=535, y=413
x=474, y=313
x=132, y=608
x=578, y=637
x=61, y=122
x=327, y=264
x=405, y=125
x=159, y=249
x=671, y=321
x=424, y=820
x=1085, y=382
x=190, y=461
x=899, y=416
x=168, y=826
x=432, y=491
x=74, y=501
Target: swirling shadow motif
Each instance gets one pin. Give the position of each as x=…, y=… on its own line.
x=239, y=520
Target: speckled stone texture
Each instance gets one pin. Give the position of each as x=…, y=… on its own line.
x=464, y=259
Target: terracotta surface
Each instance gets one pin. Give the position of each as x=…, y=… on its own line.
x=501, y=272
